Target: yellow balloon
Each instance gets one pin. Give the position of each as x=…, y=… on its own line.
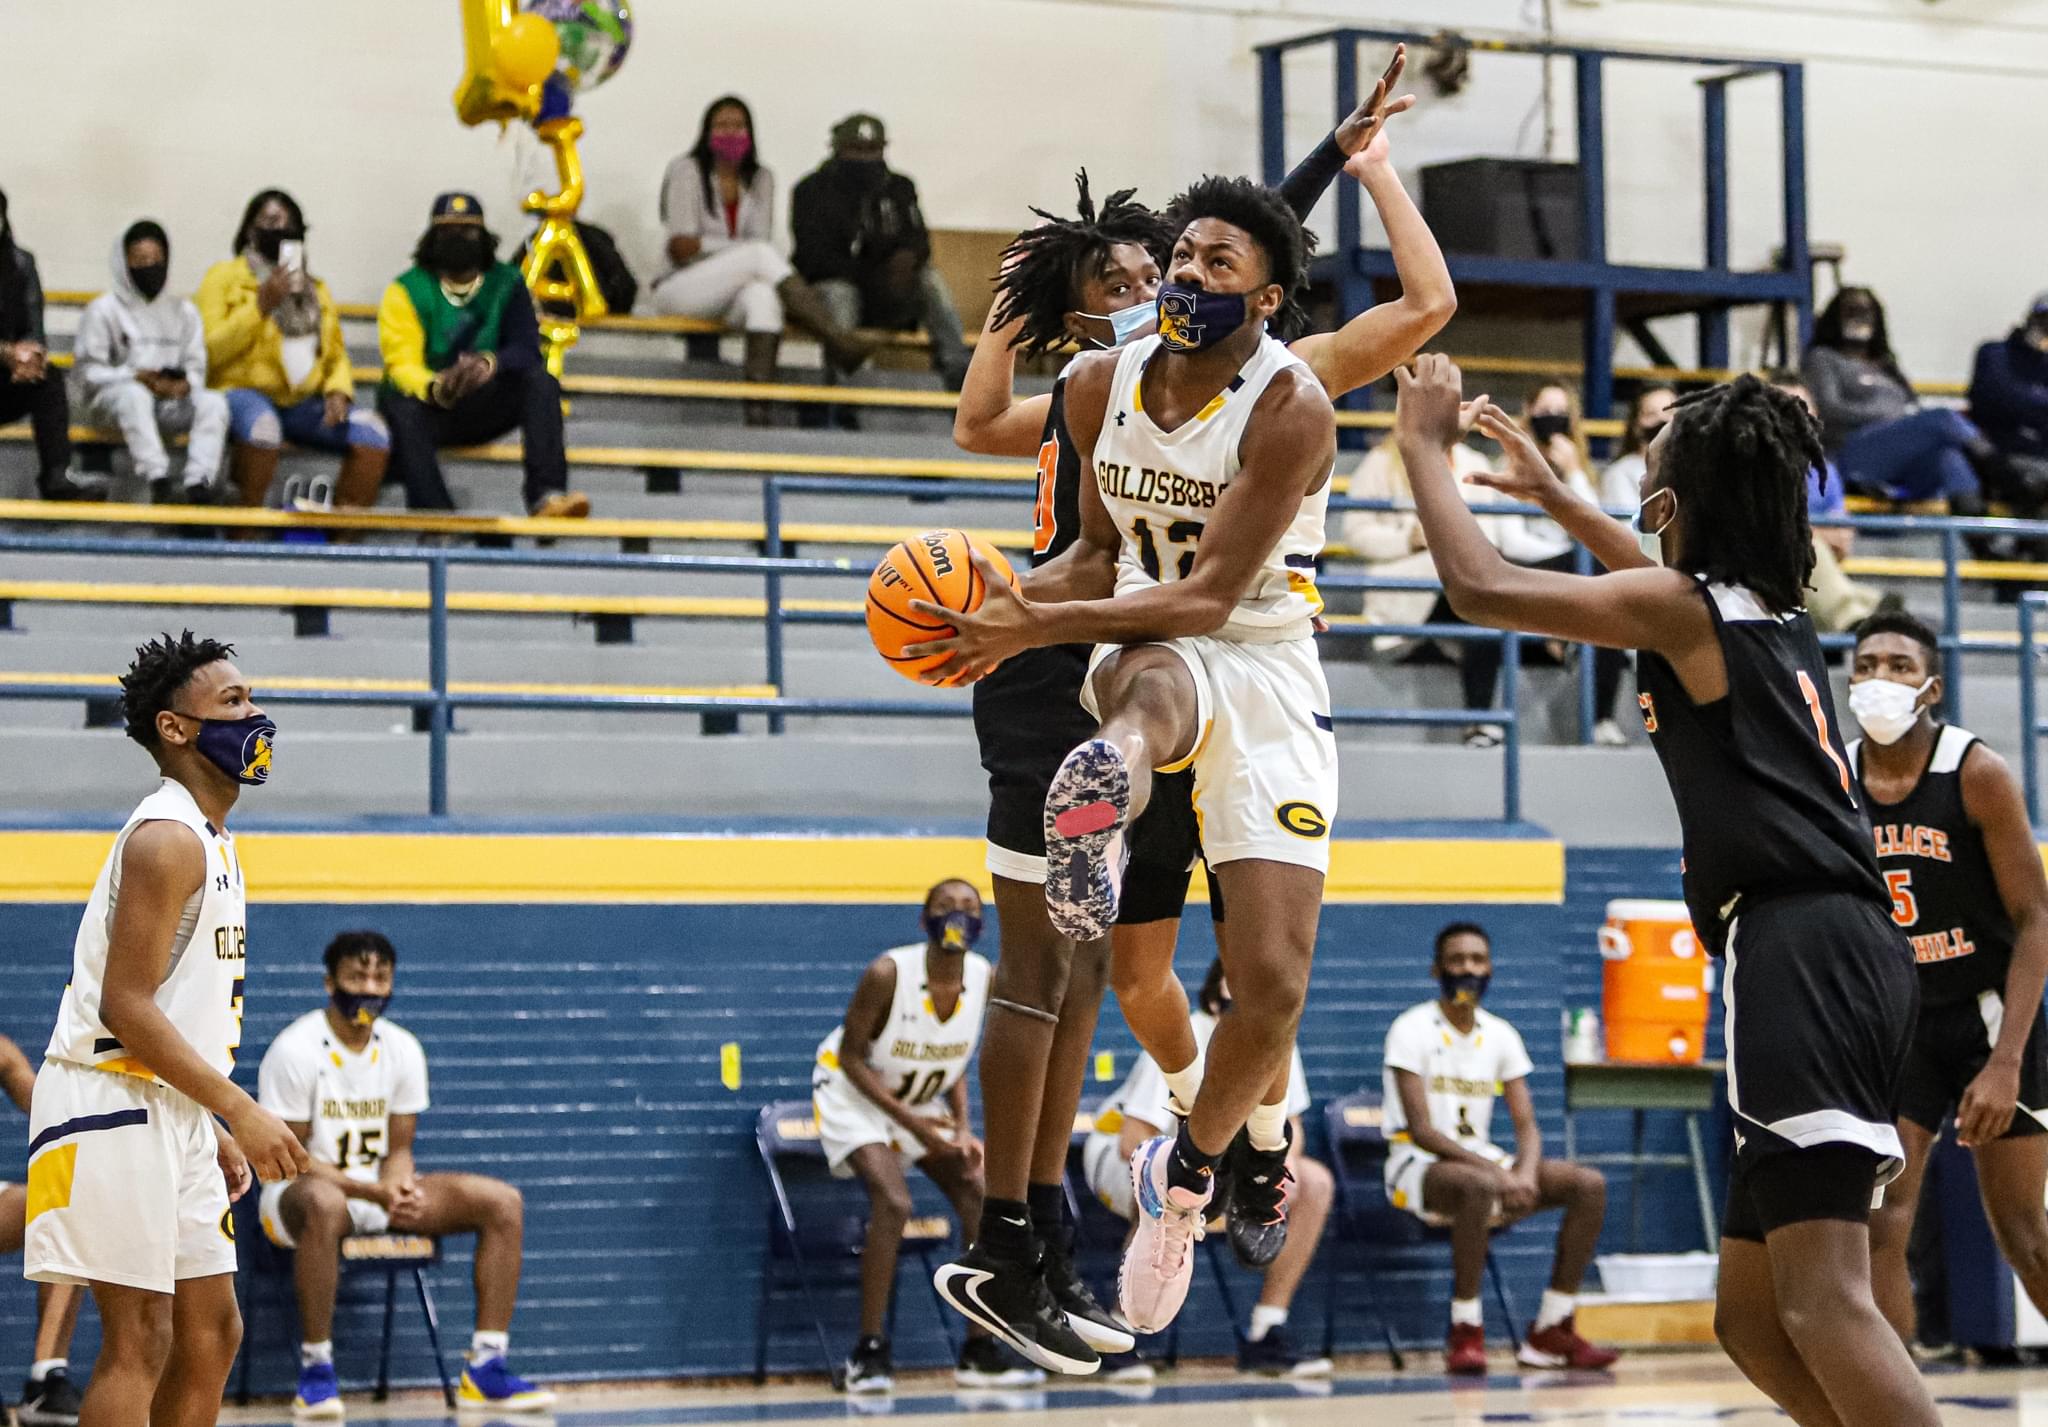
x=526, y=51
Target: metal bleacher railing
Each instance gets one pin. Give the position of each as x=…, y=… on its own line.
x=437, y=700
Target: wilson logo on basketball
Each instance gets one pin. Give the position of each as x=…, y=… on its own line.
x=941, y=557
x=1302, y=819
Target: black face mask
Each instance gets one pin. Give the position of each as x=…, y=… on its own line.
x=149, y=279
x=864, y=172
x=460, y=253
x=1549, y=426
x=269, y=242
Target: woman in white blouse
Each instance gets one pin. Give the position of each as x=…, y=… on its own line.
x=718, y=208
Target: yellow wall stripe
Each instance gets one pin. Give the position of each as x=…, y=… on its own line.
x=499, y=867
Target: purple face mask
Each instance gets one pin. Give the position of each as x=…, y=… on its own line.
x=731, y=148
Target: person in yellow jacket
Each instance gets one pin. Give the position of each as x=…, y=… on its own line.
x=273, y=344
x=462, y=364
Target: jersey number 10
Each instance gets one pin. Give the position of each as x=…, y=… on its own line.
x=914, y=1092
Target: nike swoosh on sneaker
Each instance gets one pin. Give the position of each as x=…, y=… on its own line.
x=961, y=1287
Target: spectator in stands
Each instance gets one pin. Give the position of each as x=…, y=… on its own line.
x=890, y=1090
x=1446, y=1060
x=273, y=344
x=1390, y=542
x=463, y=365
x=140, y=359
x=861, y=240
x=1885, y=442
x=1836, y=602
x=47, y=1397
x=1138, y=1110
x=29, y=385
x=352, y=1086
x=718, y=208
x=2009, y=403
x=1621, y=484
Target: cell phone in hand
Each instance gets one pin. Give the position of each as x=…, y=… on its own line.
x=172, y=374
x=291, y=254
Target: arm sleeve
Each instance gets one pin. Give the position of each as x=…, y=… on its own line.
x=682, y=200
x=231, y=318
x=403, y=342
x=409, y=1090
x=518, y=333
x=93, y=348
x=823, y=242
x=1311, y=178
x=1514, y=1056
x=917, y=235
x=340, y=377
x=760, y=224
x=286, y=1083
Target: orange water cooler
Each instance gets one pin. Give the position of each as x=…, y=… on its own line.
x=1656, y=982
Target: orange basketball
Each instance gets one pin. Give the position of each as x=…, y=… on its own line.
x=932, y=567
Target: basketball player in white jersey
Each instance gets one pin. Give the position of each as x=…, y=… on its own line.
x=128, y=1180
x=47, y=1398
x=351, y=1085
x=1211, y=447
x=890, y=1090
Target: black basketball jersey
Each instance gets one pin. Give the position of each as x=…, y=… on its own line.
x=1765, y=798
x=1943, y=893
x=1056, y=516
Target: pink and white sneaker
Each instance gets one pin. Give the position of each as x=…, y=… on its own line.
x=1159, y=1262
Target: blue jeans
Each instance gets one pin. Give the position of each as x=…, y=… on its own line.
x=1917, y=457
x=255, y=420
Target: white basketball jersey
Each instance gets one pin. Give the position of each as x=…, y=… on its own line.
x=919, y=1055
x=1462, y=1074
x=1161, y=487
x=346, y=1097
x=201, y=992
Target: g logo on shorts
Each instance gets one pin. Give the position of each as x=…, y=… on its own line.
x=1302, y=819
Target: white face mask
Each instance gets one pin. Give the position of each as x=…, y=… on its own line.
x=1652, y=541
x=1886, y=708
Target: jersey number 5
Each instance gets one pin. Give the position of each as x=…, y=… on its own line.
x=1181, y=532
x=1905, y=908
x=1820, y=728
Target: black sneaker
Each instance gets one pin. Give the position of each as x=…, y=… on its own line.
x=986, y=1363
x=1259, y=1181
x=1274, y=1356
x=1098, y=1327
x=53, y=1402
x=869, y=1369
x=71, y=485
x=1012, y=1301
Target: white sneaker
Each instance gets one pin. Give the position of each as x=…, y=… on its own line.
x=1159, y=1262
x=1607, y=734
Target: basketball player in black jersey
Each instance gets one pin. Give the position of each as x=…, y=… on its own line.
x=1780, y=875
x=1965, y=877
x=1094, y=279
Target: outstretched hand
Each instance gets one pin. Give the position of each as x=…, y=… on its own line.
x=980, y=641
x=1430, y=411
x=1363, y=134
x=1527, y=476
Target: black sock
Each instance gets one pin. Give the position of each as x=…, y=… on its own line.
x=1006, y=1229
x=1048, y=1213
x=1187, y=1167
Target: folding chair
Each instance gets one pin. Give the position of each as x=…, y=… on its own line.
x=1365, y=1221
x=1099, y=1231
x=266, y=1269
x=816, y=1222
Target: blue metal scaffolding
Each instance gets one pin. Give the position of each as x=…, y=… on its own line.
x=1605, y=294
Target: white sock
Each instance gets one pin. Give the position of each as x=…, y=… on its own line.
x=485, y=1346
x=43, y=1367
x=1556, y=1308
x=1267, y=1127
x=1265, y=1318
x=312, y=1354
x=1186, y=1083
x=1465, y=1311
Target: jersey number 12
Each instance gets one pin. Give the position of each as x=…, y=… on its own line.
x=1180, y=532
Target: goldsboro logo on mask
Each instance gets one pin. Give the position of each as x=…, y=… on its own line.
x=1177, y=325
x=256, y=758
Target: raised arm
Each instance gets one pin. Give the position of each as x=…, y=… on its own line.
x=1655, y=609
x=990, y=420
x=1992, y=800
x=1530, y=478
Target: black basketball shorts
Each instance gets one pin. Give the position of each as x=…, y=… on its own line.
x=1027, y=718
x=1165, y=844
x=1950, y=1045
x=1820, y=995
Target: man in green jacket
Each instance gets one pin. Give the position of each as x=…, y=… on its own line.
x=462, y=364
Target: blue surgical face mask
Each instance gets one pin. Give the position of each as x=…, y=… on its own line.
x=239, y=747
x=1126, y=326
x=1652, y=541
x=953, y=931
x=1464, y=988
x=358, y=1009
x=1191, y=318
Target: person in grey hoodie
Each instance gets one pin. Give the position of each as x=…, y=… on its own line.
x=141, y=368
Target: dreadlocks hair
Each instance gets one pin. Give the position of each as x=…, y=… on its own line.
x=1264, y=214
x=1738, y=457
x=162, y=667
x=1911, y=626
x=1045, y=266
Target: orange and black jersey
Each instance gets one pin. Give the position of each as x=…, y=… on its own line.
x=1762, y=783
x=1944, y=895
x=1056, y=515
